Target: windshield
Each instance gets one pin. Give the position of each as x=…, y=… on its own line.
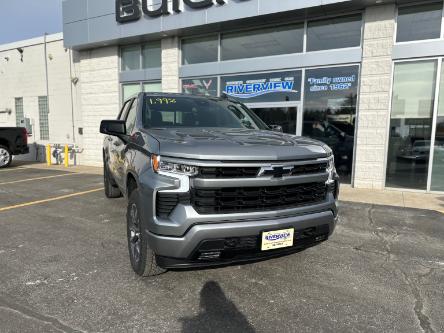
x=182, y=111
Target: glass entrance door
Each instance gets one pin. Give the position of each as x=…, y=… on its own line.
x=285, y=116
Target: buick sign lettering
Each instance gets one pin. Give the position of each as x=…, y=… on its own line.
x=131, y=10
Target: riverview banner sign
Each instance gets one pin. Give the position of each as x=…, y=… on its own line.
x=266, y=87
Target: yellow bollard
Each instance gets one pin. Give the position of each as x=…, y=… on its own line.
x=48, y=155
x=66, y=156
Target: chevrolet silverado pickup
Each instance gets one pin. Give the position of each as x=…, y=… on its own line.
x=13, y=141
x=209, y=183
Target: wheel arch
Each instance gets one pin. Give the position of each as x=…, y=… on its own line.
x=131, y=183
x=5, y=143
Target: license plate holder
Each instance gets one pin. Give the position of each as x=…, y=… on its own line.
x=277, y=239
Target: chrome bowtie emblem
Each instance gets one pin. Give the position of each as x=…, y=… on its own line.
x=277, y=171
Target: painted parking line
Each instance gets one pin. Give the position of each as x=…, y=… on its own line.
x=38, y=202
x=14, y=169
x=39, y=178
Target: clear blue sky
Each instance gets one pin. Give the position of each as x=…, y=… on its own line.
x=22, y=19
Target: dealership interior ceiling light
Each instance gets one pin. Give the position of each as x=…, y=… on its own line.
x=74, y=80
x=7, y=59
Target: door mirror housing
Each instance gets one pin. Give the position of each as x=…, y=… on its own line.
x=276, y=128
x=113, y=127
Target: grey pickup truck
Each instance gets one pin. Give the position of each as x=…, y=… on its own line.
x=208, y=183
x=13, y=141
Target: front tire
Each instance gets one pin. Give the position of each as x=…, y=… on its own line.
x=111, y=190
x=5, y=157
x=143, y=259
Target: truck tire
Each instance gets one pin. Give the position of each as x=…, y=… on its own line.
x=5, y=157
x=143, y=259
x=111, y=190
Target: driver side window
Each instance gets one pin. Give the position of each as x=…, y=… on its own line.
x=124, y=110
x=131, y=118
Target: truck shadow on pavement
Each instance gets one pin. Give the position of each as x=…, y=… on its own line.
x=217, y=313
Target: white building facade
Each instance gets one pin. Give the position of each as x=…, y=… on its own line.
x=38, y=91
x=362, y=76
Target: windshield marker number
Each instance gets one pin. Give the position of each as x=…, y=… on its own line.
x=162, y=100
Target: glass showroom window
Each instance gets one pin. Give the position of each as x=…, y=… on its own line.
x=152, y=87
x=263, y=42
x=330, y=112
x=200, y=86
x=19, y=114
x=334, y=33
x=152, y=55
x=129, y=90
x=437, y=183
x=130, y=58
x=411, y=124
x=200, y=49
x=43, y=118
x=419, y=22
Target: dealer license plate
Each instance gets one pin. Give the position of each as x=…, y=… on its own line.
x=277, y=239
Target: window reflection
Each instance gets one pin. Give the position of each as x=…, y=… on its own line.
x=130, y=58
x=411, y=124
x=262, y=42
x=419, y=22
x=438, y=154
x=330, y=112
x=198, y=50
x=284, y=117
x=334, y=33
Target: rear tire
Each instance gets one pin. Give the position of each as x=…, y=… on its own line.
x=5, y=157
x=143, y=259
x=111, y=190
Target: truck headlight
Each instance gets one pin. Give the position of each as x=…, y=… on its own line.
x=331, y=169
x=164, y=165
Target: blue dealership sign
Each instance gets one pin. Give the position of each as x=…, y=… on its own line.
x=266, y=87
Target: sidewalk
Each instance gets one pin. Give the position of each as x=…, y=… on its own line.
x=76, y=169
x=407, y=199
x=398, y=198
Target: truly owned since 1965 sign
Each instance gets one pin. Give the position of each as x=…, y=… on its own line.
x=131, y=10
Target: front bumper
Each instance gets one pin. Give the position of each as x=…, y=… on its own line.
x=178, y=239
x=206, y=244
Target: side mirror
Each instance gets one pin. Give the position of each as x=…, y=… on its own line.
x=113, y=127
x=276, y=128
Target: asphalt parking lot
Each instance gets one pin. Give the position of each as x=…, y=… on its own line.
x=64, y=267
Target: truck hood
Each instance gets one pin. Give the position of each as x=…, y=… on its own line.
x=235, y=144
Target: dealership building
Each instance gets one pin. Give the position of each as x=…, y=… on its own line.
x=363, y=76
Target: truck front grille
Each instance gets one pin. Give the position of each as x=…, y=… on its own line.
x=228, y=172
x=309, y=169
x=253, y=199
x=252, y=172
